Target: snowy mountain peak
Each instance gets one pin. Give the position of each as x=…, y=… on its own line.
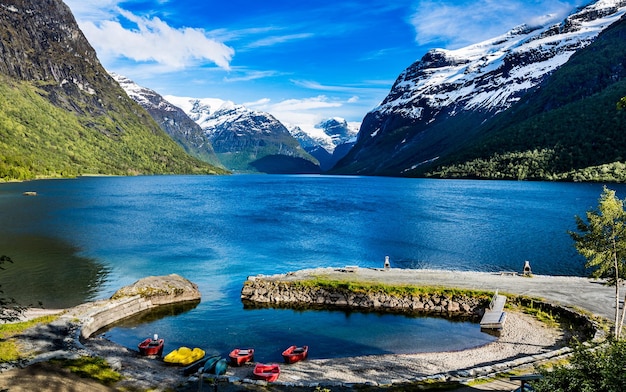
x=212, y=114
x=143, y=96
x=327, y=134
x=491, y=75
x=438, y=103
x=198, y=109
x=171, y=119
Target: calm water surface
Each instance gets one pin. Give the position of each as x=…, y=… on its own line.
x=82, y=239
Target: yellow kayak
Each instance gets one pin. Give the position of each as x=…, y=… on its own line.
x=184, y=356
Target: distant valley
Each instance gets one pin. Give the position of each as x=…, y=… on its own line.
x=537, y=103
x=244, y=140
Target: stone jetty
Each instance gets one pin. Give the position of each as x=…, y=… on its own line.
x=524, y=341
x=280, y=291
x=591, y=295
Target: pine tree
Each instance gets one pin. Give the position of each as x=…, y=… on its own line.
x=602, y=241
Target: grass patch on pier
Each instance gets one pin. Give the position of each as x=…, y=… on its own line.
x=397, y=290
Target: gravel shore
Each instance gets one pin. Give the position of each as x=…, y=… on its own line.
x=522, y=336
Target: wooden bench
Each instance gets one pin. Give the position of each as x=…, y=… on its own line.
x=495, y=316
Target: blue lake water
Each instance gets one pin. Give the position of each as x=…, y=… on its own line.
x=82, y=239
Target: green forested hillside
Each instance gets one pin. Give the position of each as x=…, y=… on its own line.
x=61, y=114
x=38, y=139
x=582, y=141
x=571, y=128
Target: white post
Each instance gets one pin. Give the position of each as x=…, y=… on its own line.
x=527, y=270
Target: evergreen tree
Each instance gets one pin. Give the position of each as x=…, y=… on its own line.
x=590, y=370
x=602, y=241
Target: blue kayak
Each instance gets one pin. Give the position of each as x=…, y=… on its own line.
x=221, y=366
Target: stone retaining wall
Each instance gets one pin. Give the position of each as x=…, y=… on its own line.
x=263, y=291
x=257, y=290
x=105, y=313
x=274, y=292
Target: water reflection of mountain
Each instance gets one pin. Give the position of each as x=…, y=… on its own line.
x=48, y=272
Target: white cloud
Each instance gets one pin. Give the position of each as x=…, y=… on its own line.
x=278, y=39
x=304, y=113
x=290, y=105
x=366, y=87
x=312, y=85
x=92, y=10
x=149, y=40
x=251, y=75
x=462, y=23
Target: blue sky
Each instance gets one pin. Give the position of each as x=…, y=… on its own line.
x=302, y=61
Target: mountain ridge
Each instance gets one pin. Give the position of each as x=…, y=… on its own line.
x=329, y=146
x=439, y=102
x=571, y=129
x=172, y=119
x=247, y=140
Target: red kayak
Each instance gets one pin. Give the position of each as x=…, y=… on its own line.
x=240, y=356
x=265, y=372
x=151, y=347
x=294, y=354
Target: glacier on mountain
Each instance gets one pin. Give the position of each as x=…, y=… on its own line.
x=491, y=75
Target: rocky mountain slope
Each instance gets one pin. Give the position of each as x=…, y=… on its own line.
x=173, y=120
x=61, y=114
x=572, y=128
x=246, y=140
x=440, y=103
x=332, y=142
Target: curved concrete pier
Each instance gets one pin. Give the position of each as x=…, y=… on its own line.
x=76, y=324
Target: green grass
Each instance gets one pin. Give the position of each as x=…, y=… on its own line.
x=389, y=289
x=7, y=330
x=9, y=350
x=545, y=317
x=41, y=140
x=94, y=368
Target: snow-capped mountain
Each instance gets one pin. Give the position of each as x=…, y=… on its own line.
x=245, y=139
x=198, y=109
x=438, y=102
x=329, y=142
x=171, y=119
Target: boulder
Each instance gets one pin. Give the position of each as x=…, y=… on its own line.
x=161, y=290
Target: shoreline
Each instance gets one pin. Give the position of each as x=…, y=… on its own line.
x=523, y=341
